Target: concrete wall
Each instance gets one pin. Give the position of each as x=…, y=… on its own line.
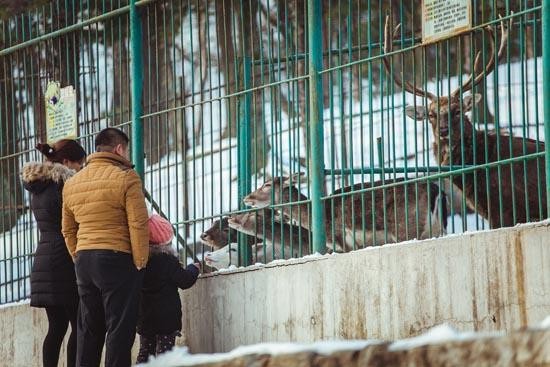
x=494, y=280
x=22, y=331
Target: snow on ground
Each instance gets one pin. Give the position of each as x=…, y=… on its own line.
x=443, y=333
x=439, y=334
x=446, y=333
x=180, y=356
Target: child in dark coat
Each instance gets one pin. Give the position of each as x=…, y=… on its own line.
x=160, y=306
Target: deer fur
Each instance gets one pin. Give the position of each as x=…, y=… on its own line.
x=447, y=149
x=220, y=235
x=484, y=190
x=348, y=229
x=286, y=239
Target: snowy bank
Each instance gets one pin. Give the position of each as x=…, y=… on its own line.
x=443, y=341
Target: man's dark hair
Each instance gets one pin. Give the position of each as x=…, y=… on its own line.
x=109, y=138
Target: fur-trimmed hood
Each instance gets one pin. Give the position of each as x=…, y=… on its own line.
x=162, y=249
x=43, y=171
x=36, y=176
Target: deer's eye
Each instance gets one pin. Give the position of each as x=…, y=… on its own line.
x=432, y=115
x=233, y=250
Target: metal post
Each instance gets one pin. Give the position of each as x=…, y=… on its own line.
x=136, y=69
x=546, y=92
x=316, y=133
x=244, y=155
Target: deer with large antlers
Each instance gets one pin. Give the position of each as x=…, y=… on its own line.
x=453, y=130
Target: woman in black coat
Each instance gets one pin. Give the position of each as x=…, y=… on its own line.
x=53, y=280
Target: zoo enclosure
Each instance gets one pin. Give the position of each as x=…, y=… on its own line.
x=235, y=92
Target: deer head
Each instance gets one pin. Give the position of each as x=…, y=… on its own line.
x=218, y=234
x=261, y=198
x=245, y=222
x=445, y=113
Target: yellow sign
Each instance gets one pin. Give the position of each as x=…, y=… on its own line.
x=445, y=18
x=60, y=113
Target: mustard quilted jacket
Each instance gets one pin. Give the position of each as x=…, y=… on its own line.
x=104, y=208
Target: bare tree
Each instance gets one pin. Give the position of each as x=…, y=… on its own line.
x=224, y=28
x=121, y=70
x=11, y=199
x=159, y=82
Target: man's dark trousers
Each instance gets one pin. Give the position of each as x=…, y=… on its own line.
x=109, y=287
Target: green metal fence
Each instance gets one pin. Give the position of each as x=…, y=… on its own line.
x=222, y=96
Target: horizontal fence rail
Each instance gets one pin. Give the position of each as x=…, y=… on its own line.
x=266, y=136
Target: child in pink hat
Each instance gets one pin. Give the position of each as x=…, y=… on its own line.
x=160, y=306
x=160, y=230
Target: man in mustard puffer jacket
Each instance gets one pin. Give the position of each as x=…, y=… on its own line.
x=106, y=232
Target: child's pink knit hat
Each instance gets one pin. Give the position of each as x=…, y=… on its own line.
x=160, y=230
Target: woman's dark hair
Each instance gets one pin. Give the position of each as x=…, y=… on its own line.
x=61, y=150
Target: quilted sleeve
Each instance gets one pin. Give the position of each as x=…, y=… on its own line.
x=137, y=216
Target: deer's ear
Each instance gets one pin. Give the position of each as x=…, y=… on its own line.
x=416, y=112
x=278, y=216
x=281, y=217
x=469, y=101
x=293, y=179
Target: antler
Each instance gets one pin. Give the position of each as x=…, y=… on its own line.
x=388, y=46
x=468, y=84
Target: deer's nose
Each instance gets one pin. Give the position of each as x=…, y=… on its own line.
x=204, y=236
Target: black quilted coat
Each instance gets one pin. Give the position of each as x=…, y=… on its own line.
x=53, y=280
x=160, y=305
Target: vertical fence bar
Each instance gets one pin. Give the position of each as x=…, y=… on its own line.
x=244, y=154
x=546, y=91
x=136, y=69
x=316, y=133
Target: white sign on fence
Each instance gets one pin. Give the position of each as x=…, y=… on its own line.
x=60, y=112
x=444, y=18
